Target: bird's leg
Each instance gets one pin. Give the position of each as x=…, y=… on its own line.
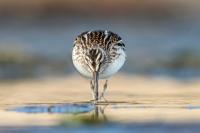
x=104, y=90
x=92, y=88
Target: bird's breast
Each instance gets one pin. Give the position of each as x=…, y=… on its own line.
x=86, y=64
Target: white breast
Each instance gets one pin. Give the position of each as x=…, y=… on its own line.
x=115, y=66
x=80, y=67
x=111, y=69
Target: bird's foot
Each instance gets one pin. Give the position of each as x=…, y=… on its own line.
x=94, y=101
x=103, y=98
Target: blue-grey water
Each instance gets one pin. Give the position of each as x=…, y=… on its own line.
x=129, y=128
x=152, y=47
x=58, y=108
x=90, y=126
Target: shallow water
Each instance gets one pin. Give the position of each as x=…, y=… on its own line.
x=129, y=128
x=85, y=108
x=58, y=108
x=97, y=120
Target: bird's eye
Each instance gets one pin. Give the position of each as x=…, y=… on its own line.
x=120, y=44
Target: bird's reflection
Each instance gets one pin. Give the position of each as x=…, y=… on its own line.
x=82, y=113
x=95, y=111
x=98, y=113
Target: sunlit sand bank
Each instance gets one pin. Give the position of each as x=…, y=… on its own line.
x=135, y=99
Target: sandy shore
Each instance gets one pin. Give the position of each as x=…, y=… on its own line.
x=131, y=98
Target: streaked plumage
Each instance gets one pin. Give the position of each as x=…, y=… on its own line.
x=100, y=52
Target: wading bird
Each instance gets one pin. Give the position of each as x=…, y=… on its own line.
x=98, y=55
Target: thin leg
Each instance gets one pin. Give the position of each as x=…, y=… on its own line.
x=104, y=90
x=92, y=88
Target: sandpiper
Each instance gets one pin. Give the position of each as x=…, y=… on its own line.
x=98, y=55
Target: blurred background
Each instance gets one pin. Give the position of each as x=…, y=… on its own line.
x=162, y=37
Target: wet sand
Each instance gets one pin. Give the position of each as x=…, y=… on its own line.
x=131, y=99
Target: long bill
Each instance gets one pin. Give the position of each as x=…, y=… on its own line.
x=96, y=85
